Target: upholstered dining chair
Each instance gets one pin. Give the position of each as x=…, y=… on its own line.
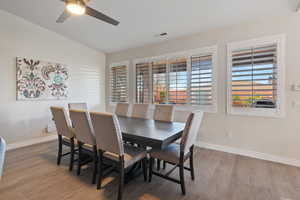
x=177, y=154
x=78, y=106
x=2, y=155
x=65, y=133
x=164, y=113
x=110, y=145
x=140, y=110
x=122, y=109
x=85, y=137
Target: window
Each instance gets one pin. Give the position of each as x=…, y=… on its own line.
x=142, y=83
x=159, y=82
x=186, y=79
x=201, y=80
x=119, y=82
x=255, y=76
x=178, y=88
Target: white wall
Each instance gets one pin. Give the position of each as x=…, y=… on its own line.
x=22, y=120
x=279, y=137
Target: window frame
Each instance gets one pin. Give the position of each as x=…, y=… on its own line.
x=212, y=50
x=279, y=111
x=125, y=63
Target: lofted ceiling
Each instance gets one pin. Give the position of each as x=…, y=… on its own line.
x=141, y=20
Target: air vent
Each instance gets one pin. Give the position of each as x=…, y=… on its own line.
x=162, y=34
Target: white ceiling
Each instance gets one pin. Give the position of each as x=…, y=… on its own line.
x=142, y=19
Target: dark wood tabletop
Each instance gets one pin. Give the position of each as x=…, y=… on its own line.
x=146, y=132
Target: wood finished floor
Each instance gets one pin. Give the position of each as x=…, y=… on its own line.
x=31, y=173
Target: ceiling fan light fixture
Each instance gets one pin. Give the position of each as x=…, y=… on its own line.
x=76, y=7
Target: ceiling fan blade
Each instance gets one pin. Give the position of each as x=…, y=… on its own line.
x=94, y=13
x=63, y=17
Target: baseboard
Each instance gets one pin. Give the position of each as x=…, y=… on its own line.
x=33, y=141
x=252, y=154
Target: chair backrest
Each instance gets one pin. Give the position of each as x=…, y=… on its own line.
x=82, y=124
x=191, y=131
x=78, y=106
x=107, y=132
x=140, y=111
x=62, y=122
x=2, y=155
x=122, y=109
x=164, y=113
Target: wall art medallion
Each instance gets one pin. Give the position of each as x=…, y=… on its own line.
x=40, y=80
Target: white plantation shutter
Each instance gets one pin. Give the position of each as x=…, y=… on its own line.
x=201, y=80
x=118, y=84
x=254, y=77
x=142, y=82
x=178, y=86
x=159, y=82
x=185, y=79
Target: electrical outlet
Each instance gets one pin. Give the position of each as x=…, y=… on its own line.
x=228, y=134
x=296, y=87
x=295, y=104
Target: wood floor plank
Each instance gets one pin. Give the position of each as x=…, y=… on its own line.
x=31, y=173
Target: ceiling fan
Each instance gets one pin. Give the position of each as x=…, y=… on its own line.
x=79, y=7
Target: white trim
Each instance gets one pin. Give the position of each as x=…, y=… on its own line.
x=180, y=54
x=248, y=153
x=126, y=63
x=186, y=54
x=280, y=110
x=30, y=142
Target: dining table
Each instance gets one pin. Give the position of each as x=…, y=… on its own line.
x=150, y=133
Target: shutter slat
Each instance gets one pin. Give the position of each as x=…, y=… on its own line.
x=177, y=92
x=254, y=75
x=201, y=83
x=118, y=84
x=159, y=82
x=142, y=82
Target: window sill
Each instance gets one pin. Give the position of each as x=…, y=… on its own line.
x=187, y=108
x=257, y=112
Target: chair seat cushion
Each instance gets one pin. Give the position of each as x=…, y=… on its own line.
x=131, y=155
x=170, y=154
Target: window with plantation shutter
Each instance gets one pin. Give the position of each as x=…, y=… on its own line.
x=118, y=83
x=142, y=82
x=254, y=76
x=201, y=80
x=178, y=85
x=184, y=79
x=159, y=82
x=255, y=71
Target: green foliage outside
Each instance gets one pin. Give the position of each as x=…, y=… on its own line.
x=236, y=99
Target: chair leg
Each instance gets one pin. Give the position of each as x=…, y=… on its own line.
x=79, y=158
x=164, y=164
x=181, y=173
x=95, y=165
x=144, y=165
x=192, y=162
x=121, y=177
x=100, y=169
x=158, y=164
x=72, y=154
x=59, y=154
x=150, y=168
